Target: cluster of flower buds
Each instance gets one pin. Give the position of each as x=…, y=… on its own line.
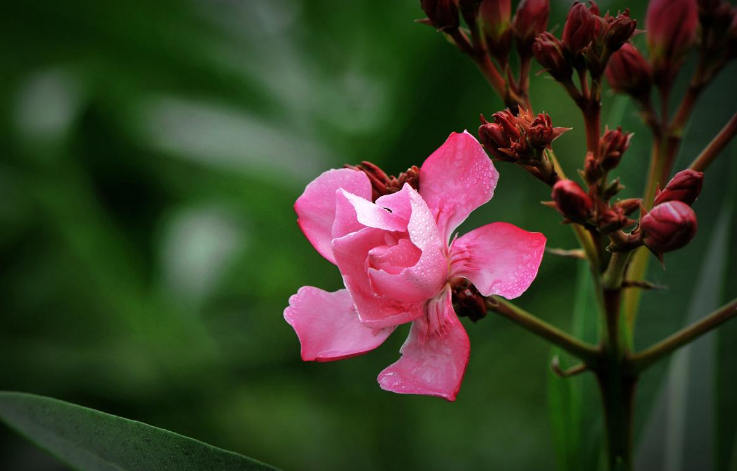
x=589, y=209
x=672, y=31
x=587, y=42
x=671, y=224
x=521, y=139
x=383, y=184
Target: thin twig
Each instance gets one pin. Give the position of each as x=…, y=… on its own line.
x=717, y=144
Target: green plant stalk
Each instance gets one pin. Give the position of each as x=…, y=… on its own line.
x=616, y=384
x=578, y=348
x=649, y=356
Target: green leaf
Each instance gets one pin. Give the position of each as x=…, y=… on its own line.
x=573, y=402
x=89, y=440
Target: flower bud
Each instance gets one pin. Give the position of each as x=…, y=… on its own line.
x=685, y=187
x=629, y=72
x=583, y=26
x=571, y=201
x=540, y=131
x=548, y=51
x=443, y=14
x=669, y=226
x=495, y=22
x=591, y=168
x=530, y=20
x=493, y=138
x=619, y=30
x=612, y=146
x=671, y=31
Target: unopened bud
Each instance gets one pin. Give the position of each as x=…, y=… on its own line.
x=495, y=21
x=612, y=146
x=572, y=201
x=443, y=14
x=540, y=132
x=619, y=30
x=548, y=51
x=610, y=219
x=494, y=138
x=383, y=184
x=669, y=226
x=530, y=20
x=629, y=72
x=583, y=26
x=685, y=187
x=591, y=168
x=629, y=205
x=671, y=31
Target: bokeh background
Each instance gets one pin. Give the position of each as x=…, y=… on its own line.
x=150, y=154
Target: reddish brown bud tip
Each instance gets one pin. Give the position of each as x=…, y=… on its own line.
x=571, y=201
x=669, y=226
x=612, y=146
x=548, y=51
x=671, y=31
x=685, y=187
x=383, y=184
x=495, y=22
x=629, y=72
x=619, y=30
x=443, y=14
x=629, y=205
x=494, y=138
x=530, y=20
x=582, y=27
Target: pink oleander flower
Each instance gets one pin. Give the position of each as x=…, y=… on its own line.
x=397, y=258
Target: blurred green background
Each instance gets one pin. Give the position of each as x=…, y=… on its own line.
x=150, y=154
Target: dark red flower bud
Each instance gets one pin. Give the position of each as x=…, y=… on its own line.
x=443, y=14
x=629, y=72
x=685, y=187
x=540, y=131
x=571, y=201
x=619, y=30
x=629, y=205
x=583, y=26
x=669, y=226
x=610, y=219
x=530, y=20
x=495, y=21
x=548, y=51
x=612, y=146
x=494, y=138
x=671, y=31
x=383, y=184
x=591, y=168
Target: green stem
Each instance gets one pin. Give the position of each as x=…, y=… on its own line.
x=717, y=144
x=582, y=350
x=644, y=359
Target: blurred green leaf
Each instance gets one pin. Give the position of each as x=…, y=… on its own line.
x=573, y=402
x=90, y=440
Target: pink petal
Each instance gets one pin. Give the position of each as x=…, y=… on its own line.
x=351, y=256
x=316, y=207
x=328, y=327
x=424, y=279
x=435, y=355
x=353, y=213
x=498, y=258
x=456, y=179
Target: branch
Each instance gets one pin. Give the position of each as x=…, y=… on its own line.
x=717, y=144
x=588, y=353
x=644, y=359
